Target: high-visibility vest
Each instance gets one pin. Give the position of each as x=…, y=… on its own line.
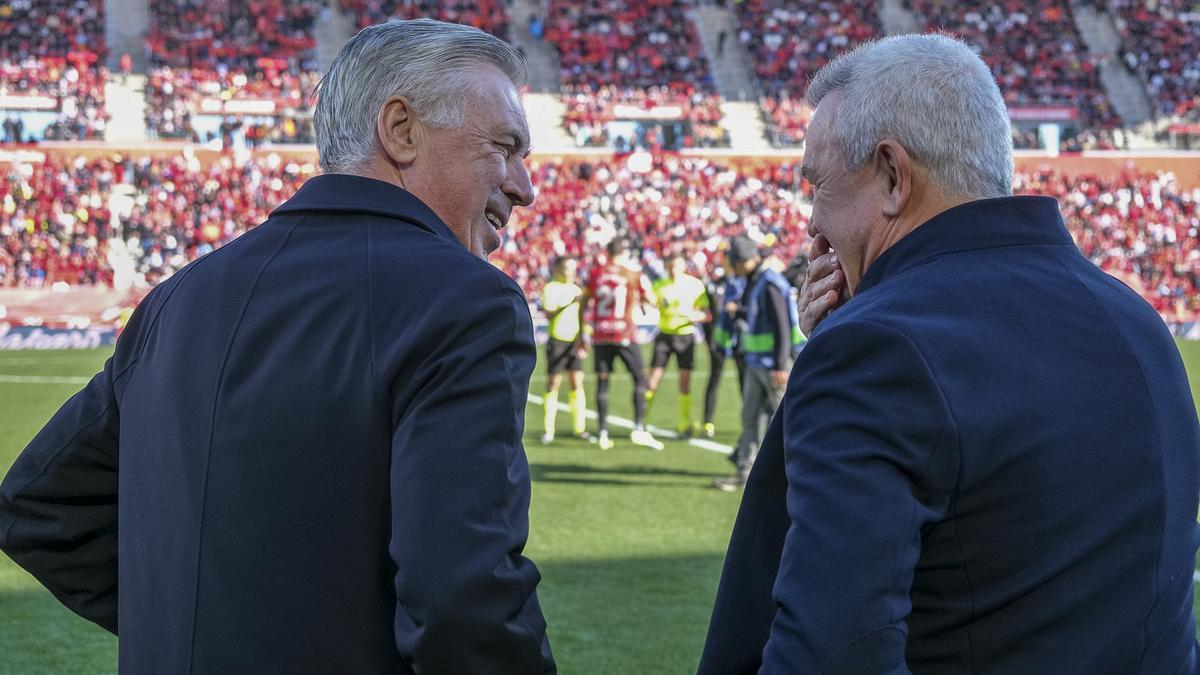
x=758, y=343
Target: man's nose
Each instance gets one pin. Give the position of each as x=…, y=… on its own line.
x=517, y=184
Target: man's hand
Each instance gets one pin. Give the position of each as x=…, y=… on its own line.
x=779, y=378
x=824, y=285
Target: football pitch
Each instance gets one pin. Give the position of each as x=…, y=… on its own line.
x=629, y=541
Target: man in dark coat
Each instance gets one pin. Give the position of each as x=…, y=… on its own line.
x=305, y=454
x=987, y=460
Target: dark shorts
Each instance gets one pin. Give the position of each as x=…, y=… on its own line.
x=682, y=346
x=561, y=356
x=630, y=355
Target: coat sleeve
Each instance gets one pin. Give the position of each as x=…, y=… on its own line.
x=58, y=502
x=466, y=597
x=871, y=458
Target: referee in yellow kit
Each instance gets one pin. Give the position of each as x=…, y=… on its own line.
x=560, y=304
x=682, y=303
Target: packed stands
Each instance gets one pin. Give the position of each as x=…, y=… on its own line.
x=486, y=15
x=789, y=41
x=231, y=63
x=630, y=60
x=1033, y=49
x=57, y=218
x=57, y=221
x=1138, y=227
x=1160, y=44
x=52, y=68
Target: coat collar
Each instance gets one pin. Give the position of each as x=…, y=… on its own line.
x=986, y=223
x=357, y=194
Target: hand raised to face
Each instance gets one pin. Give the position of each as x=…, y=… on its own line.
x=824, y=285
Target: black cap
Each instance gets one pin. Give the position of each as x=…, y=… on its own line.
x=741, y=249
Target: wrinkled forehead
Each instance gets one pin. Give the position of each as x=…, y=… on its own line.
x=498, y=101
x=816, y=139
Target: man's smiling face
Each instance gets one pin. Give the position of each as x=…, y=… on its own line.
x=474, y=174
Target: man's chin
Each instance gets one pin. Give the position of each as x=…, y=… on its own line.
x=490, y=244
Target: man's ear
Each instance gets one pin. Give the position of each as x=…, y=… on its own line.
x=894, y=170
x=399, y=131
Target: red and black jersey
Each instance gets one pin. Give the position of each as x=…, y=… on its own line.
x=614, y=291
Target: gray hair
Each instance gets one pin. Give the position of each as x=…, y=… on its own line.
x=432, y=63
x=934, y=96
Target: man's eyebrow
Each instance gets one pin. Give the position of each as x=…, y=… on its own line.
x=806, y=173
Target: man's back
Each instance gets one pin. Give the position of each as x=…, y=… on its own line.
x=295, y=495
x=988, y=460
x=1071, y=537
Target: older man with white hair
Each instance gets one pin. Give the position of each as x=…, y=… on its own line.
x=987, y=457
x=305, y=454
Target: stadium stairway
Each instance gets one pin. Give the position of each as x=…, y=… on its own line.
x=1126, y=92
x=333, y=28
x=542, y=58
x=896, y=19
x=734, y=79
x=126, y=101
x=544, y=113
x=741, y=115
x=126, y=23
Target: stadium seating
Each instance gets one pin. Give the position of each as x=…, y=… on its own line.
x=1159, y=43
x=52, y=57
x=1033, y=49
x=208, y=54
x=644, y=54
x=1138, y=227
x=56, y=223
x=487, y=15
x=789, y=41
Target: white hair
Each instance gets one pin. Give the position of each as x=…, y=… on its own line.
x=934, y=96
x=432, y=63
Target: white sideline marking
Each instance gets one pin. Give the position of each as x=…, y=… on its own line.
x=702, y=443
x=39, y=379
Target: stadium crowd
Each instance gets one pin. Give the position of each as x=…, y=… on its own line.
x=1138, y=227
x=789, y=41
x=638, y=54
x=57, y=220
x=55, y=49
x=206, y=54
x=1033, y=49
x=1159, y=41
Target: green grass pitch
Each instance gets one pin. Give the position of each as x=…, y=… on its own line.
x=630, y=542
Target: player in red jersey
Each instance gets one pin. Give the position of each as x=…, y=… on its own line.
x=612, y=292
